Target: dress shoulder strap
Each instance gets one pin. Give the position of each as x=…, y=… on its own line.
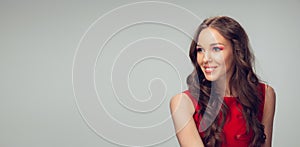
x=193, y=99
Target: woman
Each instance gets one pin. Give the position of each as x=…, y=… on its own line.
x=225, y=104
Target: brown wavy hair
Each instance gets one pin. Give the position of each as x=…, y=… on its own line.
x=243, y=82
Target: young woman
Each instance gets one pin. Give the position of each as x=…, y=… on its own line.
x=226, y=104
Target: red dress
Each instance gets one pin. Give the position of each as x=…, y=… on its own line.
x=234, y=129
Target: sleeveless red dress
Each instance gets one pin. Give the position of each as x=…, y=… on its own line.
x=234, y=130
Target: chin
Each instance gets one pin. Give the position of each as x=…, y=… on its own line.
x=209, y=78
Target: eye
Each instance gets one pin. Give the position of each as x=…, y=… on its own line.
x=199, y=49
x=217, y=49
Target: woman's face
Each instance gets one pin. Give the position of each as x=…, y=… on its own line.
x=214, y=55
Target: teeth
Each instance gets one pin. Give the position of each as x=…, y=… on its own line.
x=209, y=69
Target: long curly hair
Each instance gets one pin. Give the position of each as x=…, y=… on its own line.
x=243, y=81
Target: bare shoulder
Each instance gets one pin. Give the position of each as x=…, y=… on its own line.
x=268, y=114
x=181, y=102
x=182, y=109
x=270, y=103
x=270, y=95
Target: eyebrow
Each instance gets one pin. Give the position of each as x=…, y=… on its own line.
x=198, y=45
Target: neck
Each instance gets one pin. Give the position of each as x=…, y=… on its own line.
x=224, y=86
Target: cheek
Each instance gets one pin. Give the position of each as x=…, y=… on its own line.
x=199, y=58
x=219, y=58
x=224, y=61
x=228, y=62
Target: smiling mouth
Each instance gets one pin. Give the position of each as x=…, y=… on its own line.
x=209, y=69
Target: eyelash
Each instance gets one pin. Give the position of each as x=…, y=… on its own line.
x=215, y=49
x=218, y=48
x=199, y=49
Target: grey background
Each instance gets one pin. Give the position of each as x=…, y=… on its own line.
x=38, y=43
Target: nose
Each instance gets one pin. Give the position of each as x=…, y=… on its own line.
x=207, y=57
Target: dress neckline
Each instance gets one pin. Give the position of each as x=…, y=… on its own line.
x=230, y=97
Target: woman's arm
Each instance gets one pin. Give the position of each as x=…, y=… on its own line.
x=182, y=110
x=268, y=114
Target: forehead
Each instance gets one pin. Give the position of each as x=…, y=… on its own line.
x=209, y=36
